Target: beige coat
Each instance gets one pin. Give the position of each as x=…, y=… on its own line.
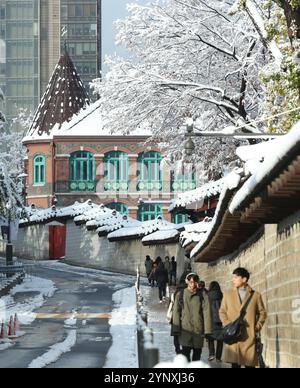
x=244, y=352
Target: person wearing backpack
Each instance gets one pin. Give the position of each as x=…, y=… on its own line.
x=191, y=319
x=243, y=352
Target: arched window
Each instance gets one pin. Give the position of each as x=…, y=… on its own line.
x=148, y=212
x=39, y=170
x=179, y=218
x=119, y=207
x=116, y=171
x=149, y=171
x=82, y=171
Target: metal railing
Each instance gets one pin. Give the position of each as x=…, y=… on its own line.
x=148, y=354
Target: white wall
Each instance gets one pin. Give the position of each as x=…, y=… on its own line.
x=33, y=243
x=86, y=248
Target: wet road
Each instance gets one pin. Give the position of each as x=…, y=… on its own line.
x=87, y=293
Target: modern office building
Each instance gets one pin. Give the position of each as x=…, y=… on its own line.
x=31, y=40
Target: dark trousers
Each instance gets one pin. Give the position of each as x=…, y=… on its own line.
x=177, y=345
x=172, y=276
x=162, y=290
x=215, y=353
x=197, y=353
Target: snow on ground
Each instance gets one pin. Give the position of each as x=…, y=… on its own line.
x=55, y=352
x=123, y=352
x=24, y=309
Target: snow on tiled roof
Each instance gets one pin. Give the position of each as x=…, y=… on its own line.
x=161, y=235
x=144, y=229
x=105, y=220
x=195, y=232
x=195, y=199
x=261, y=162
x=87, y=122
x=36, y=215
x=200, y=233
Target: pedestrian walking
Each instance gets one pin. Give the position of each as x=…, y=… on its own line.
x=243, y=352
x=148, y=267
x=152, y=277
x=215, y=297
x=162, y=279
x=192, y=318
x=174, y=332
x=167, y=265
x=173, y=272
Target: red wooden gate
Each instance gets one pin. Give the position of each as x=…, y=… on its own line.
x=57, y=242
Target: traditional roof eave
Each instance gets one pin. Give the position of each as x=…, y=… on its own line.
x=275, y=202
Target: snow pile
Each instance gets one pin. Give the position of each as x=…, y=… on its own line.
x=24, y=310
x=123, y=352
x=261, y=161
x=55, y=352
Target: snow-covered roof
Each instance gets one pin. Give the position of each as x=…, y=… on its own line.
x=106, y=221
x=36, y=215
x=194, y=233
x=195, y=199
x=144, y=229
x=261, y=163
x=88, y=122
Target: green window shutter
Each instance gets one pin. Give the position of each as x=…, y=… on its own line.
x=116, y=171
x=82, y=171
x=179, y=218
x=39, y=170
x=148, y=212
x=119, y=207
x=150, y=175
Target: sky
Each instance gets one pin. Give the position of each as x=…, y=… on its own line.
x=111, y=11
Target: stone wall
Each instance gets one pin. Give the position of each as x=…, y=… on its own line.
x=274, y=263
x=86, y=248
x=32, y=244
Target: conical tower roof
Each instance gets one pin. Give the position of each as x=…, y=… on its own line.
x=64, y=97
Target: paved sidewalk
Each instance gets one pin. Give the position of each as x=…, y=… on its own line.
x=161, y=328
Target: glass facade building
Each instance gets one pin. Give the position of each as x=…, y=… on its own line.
x=19, y=54
x=82, y=22
x=30, y=45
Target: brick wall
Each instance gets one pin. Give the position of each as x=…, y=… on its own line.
x=274, y=262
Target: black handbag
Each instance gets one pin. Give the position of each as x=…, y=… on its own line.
x=232, y=333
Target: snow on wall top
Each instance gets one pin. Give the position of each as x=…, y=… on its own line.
x=195, y=199
x=261, y=160
x=105, y=220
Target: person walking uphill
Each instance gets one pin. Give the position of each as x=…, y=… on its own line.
x=162, y=278
x=243, y=353
x=148, y=267
x=191, y=318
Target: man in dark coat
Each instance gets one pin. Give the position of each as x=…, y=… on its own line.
x=162, y=278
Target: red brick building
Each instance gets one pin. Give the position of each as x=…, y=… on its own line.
x=71, y=157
